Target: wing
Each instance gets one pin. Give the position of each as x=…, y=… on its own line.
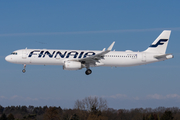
x=95, y=58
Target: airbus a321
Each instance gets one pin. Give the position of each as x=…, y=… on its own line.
x=78, y=59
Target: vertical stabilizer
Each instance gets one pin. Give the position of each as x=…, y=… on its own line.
x=160, y=44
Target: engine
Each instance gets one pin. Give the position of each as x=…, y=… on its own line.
x=72, y=65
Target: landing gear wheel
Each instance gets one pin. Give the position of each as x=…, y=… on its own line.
x=23, y=70
x=88, y=71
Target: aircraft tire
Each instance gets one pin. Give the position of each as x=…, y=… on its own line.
x=88, y=71
x=23, y=70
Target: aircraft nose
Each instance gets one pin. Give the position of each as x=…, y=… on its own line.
x=8, y=58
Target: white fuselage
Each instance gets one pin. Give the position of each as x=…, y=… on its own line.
x=78, y=59
x=58, y=57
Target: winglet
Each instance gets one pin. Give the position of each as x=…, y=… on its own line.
x=104, y=49
x=110, y=47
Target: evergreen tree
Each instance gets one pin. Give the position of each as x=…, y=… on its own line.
x=167, y=116
x=1, y=109
x=10, y=117
x=75, y=117
x=3, y=117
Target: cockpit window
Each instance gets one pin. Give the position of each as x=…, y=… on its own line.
x=14, y=53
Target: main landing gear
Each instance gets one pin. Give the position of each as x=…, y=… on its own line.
x=88, y=71
x=24, y=70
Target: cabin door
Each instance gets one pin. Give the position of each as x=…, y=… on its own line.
x=24, y=54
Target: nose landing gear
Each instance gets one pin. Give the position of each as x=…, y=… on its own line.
x=88, y=71
x=24, y=70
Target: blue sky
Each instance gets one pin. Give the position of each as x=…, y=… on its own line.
x=89, y=25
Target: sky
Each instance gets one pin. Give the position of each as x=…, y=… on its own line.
x=89, y=25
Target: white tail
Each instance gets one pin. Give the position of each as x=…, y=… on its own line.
x=160, y=44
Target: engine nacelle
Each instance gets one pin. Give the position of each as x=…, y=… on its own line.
x=72, y=65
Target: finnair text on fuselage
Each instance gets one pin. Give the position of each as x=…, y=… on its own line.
x=61, y=54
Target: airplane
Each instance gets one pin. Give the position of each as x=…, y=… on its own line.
x=78, y=59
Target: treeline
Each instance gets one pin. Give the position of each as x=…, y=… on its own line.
x=90, y=108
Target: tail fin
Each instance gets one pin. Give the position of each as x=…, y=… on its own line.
x=160, y=44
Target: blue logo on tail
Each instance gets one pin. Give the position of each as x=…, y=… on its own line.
x=160, y=42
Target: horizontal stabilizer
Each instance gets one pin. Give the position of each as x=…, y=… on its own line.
x=165, y=56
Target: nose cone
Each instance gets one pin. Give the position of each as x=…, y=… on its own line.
x=8, y=58
x=11, y=58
